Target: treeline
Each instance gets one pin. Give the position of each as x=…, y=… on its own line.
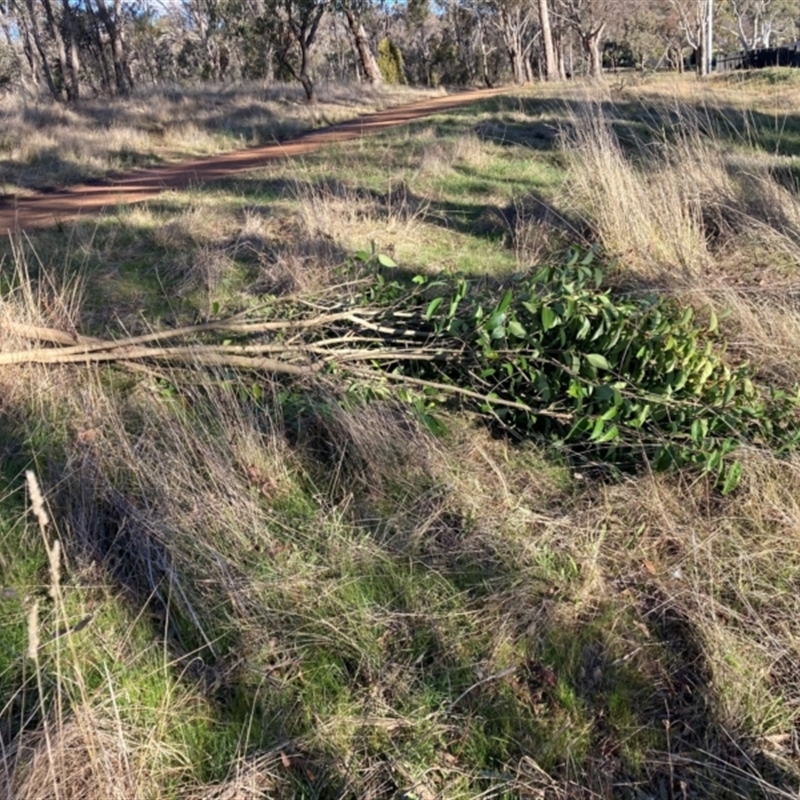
x=71, y=48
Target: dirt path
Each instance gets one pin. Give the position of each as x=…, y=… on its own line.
x=44, y=210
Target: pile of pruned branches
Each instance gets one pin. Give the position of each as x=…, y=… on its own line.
x=616, y=378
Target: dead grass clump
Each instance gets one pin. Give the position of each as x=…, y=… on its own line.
x=84, y=756
x=682, y=206
x=372, y=452
x=200, y=224
x=282, y=256
x=253, y=778
x=302, y=269
x=687, y=215
x=709, y=583
x=40, y=295
x=441, y=154
x=644, y=218
x=539, y=232
x=351, y=218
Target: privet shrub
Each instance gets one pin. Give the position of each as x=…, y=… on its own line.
x=616, y=377
x=390, y=62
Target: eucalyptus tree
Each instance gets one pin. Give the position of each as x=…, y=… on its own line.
x=354, y=12
x=589, y=18
x=113, y=20
x=515, y=21
x=12, y=63
x=696, y=23
x=762, y=23
x=650, y=29
x=293, y=26
x=421, y=30
x=551, y=71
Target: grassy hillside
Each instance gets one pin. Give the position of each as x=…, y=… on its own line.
x=239, y=584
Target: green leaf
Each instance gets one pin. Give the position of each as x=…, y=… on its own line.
x=680, y=380
x=214, y=308
x=713, y=461
x=531, y=308
x=713, y=322
x=611, y=434
x=730, y=391
x=363, y=255
x=574, y=255
x=604, y=393
x=549, y=318
x=432, y=306
x=705, y=374
x=598, y=361
x=732, y=477
x=515, y=329
x=576, y=389
x=385, y=261
x=257, y=392
x=644, y=412
x=505, y=302
x=434, y=424
x=597, y=431
x=699, y=430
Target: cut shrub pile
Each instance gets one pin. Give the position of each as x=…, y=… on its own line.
x=618, y=378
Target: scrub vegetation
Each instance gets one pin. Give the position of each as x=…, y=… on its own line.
x=221, y=582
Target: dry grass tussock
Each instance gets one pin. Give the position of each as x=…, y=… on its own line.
x=48, y=300
x=347, y=218
x=45, y=144
x=83, y=756
x=689, y=212
x=438, y=156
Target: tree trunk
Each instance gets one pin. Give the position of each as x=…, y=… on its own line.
x=114, y=29
x=591, y=43
x=308, y=87
x=708, y=50
x=365, y=55
x=551, y=71
x=561, y=57
x=700, y=60
x=517, y=67
x=48, y=75
x=28, y=46
x=484, y=54
x=74, y=60
x=303, y=76
x=61, y=50
x=28, y=53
